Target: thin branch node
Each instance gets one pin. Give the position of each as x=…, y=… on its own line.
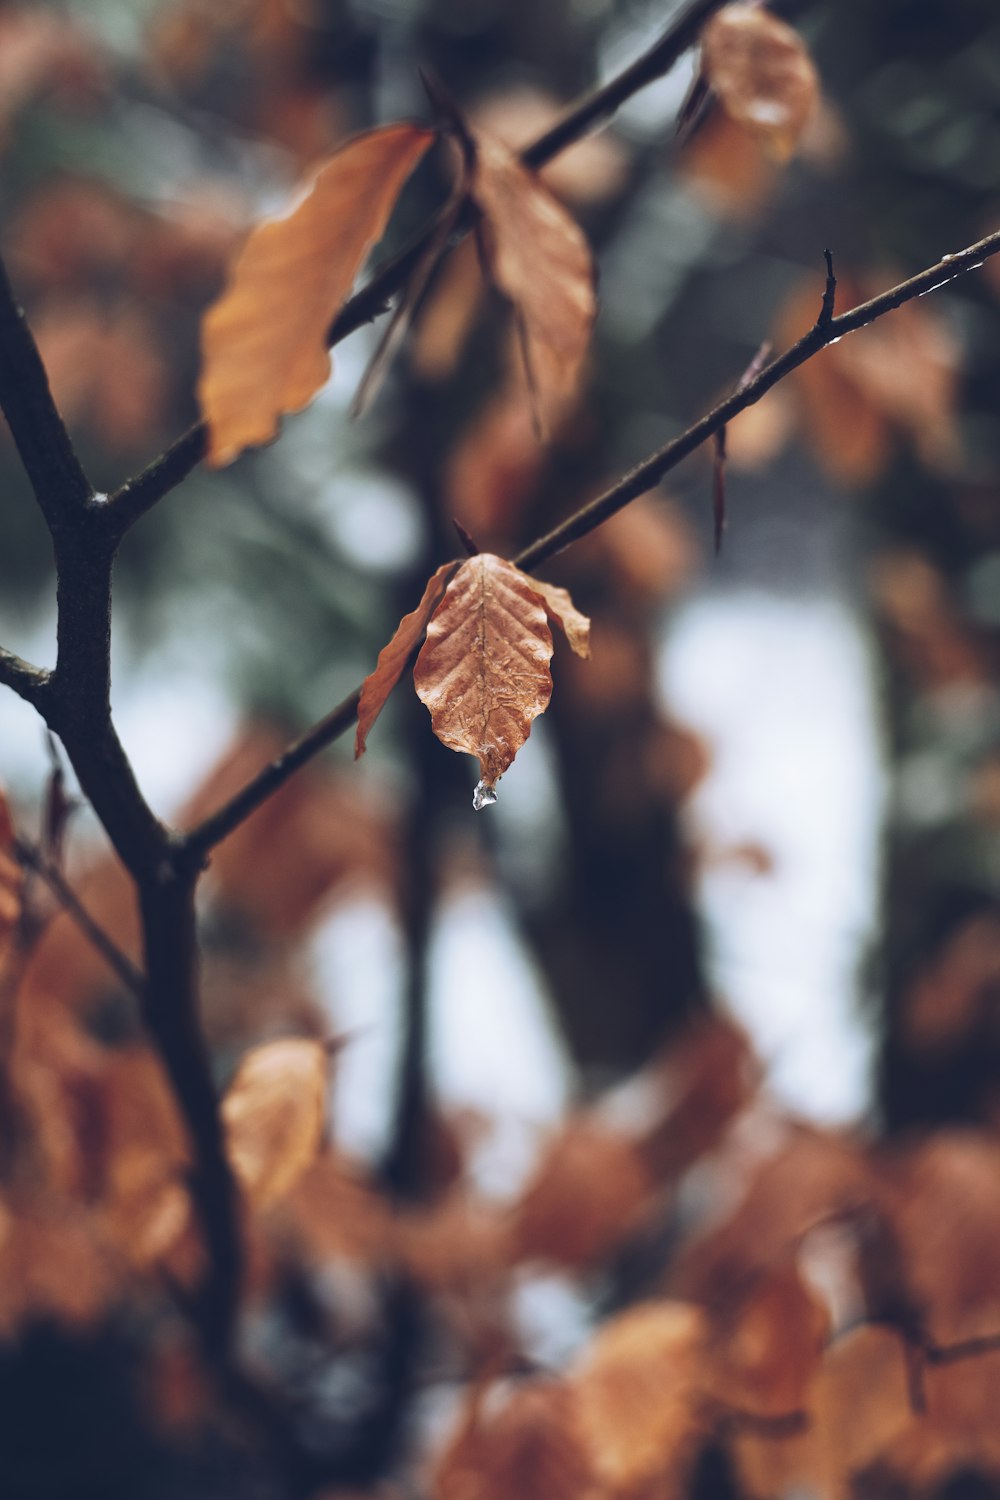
x=829, y=295
x=465, y=537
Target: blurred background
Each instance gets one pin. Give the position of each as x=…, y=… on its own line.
x=772, y=795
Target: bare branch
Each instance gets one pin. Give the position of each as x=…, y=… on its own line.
x=28, y=682
x=145, y=490
x=75, y=701
x=649, y=473
x=602, y=103
x=60, y=485
x=32, y=858
x=644, y=477
x=200, y=840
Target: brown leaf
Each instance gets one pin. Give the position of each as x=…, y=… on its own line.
x=560, y=608
x=53, y=1267
x=519, y=1440
x=449, y=314
x=539, y=258
x=729, y=170
x=273, y=1112
x=638, y=1389
x=264, y=341
x=494, y=467
x=483, y=671
x=589, y=1193
x=762, y=75
x=767, y=1343
x=392, y=658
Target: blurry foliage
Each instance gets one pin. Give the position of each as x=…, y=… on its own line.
x=739, y=1296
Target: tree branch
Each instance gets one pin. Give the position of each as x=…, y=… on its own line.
x=638, y=481
x=145, y=490
x=825, y=331
x=32, y=858
x=61, y=487
x=75, y=701
x=28, y=682
x=203, y=838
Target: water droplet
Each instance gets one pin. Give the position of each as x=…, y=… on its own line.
x=830, y=342
x=483, y=796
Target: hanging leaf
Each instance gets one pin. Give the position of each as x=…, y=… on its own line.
x=762, y=75
x=264, y=341
x=483, y=671
x=539, y=258
x=392, y=658
x=273, y=1112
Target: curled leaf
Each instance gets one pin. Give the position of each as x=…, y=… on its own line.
x=483, y=671
x=560, y=608
x=762, y=74
x=264, y=341
x=392, y=658
x=273, y=1112
x=539, y=258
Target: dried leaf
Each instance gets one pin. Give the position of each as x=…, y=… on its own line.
x=264, y=341
x=762, y=74
x=638, y=1392
x=274, y=1111
x=540, y=259
x=729, y=169
x=589, y=1193
x=392, y=658
x=767, y=1343
x=560, y=608
x=483, y=671
x=519, y=1440
x=449, y=314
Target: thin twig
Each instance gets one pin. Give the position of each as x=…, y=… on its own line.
x=638, y=482
x=141, y=493
x=200, y=840
x=27, y=681
x=830, y=293
x=61, y=488
x=32, y=858
x=649, y=473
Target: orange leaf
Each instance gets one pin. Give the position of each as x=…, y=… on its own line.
x=515, y=1439
x=483, y=671
x=762, y=74
x=638, y=1392
x=540, y=259
x=273, y=1112
x=392, y=658
x=264, y=341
